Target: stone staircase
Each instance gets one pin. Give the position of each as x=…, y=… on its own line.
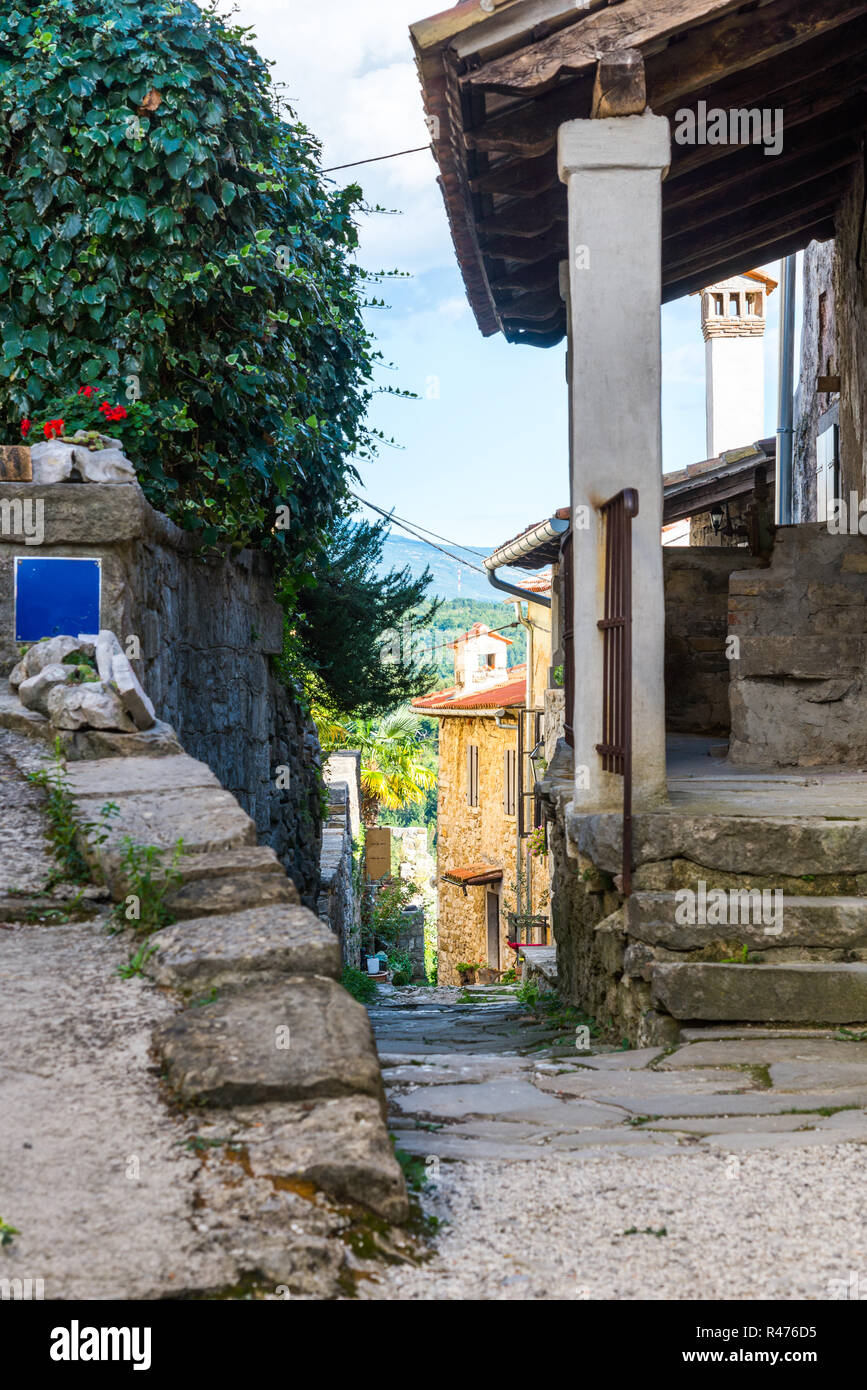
x=749, y=902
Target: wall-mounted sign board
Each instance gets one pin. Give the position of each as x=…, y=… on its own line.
x=56, y=595
x=377, y=852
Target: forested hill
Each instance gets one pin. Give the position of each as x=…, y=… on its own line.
x=451, y=580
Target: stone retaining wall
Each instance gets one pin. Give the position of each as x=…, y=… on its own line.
x=798, y=694
x=207, y=632
x=273, y=1058
x=696, y=625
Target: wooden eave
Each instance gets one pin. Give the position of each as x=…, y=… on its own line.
x=498, y=86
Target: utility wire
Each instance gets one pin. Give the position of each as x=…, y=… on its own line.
x=406, y=526
x=418, y=526
x=375, y=160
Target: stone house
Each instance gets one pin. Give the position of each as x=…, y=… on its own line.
x=491, y=889
x=577, y=206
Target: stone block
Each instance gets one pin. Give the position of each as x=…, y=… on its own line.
x=261, y=945
x=34, y=691
x=132, y=695
x=88, y=706
x=799, y=658
x=340, y=1146
x=15, y=463
x=51, y=461
x=305, y=1039
x=792, y=993
x=205, y=897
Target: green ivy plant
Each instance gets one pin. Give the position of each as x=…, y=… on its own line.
x=165, y=235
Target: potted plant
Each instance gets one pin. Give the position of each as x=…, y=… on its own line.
x=468, y=970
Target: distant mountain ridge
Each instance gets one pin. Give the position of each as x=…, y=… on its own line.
x=450, y=578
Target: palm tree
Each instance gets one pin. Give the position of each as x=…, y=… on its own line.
x=392, y=773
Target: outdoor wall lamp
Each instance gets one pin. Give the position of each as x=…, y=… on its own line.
x=716, y=519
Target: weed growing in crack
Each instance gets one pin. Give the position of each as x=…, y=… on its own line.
x=149, y=880
x=66, y=829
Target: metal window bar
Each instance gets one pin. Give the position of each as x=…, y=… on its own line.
x=530, y=726
x=567, y=599
x=616, y=627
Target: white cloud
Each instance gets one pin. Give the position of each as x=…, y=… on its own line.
x=348, y=68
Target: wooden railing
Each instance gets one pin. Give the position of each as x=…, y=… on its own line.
x=616, y=626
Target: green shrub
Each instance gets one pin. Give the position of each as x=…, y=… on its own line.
x=166, y=236
x=358, y=984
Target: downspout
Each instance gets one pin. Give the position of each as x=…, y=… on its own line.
x=528, y=704
x=512, y=553
x=785, y=416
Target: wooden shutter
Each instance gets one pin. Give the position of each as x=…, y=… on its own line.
x=473, y=774
x=510, y=781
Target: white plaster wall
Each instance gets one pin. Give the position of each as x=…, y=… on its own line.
x=735, y=392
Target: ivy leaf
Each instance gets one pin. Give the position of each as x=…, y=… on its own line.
x=37, y=339
x=81, y=85
x=133, y=208
x=71, y=227
x=178, y=165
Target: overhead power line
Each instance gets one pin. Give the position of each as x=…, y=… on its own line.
x=409, y=527
x=377, y=158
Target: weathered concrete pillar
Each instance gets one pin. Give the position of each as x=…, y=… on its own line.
x=613, y=170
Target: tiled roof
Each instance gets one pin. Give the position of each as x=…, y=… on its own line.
x=473, y=874
x=479, y=630
x=506, y=694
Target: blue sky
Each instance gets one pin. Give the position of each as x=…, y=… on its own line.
x=483, y=452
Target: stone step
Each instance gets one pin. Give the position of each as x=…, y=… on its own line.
x=763, y=843
x=204, y=897
x=760, y=921
x=791, y=993
x=264, y=944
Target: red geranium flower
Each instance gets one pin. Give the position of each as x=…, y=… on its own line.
x=52, y=428
x=25, y=428
x=87, y=391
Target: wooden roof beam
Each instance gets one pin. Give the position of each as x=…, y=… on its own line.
x=726, y=235
x=575, y=50
x=766, y=186
x=700, y=61
x=758, y=250
x=809, y=143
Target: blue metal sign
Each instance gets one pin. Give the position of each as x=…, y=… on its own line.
x=56, y=595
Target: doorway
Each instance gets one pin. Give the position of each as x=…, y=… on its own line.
x=493, y=905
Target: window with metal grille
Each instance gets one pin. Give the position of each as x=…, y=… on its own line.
x=473, y=774
x=510, y=781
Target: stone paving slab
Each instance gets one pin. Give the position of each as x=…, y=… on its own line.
x=633, y=1060
x=644, y=1087
x=809, y=1075
x=797, y=1139
x=734, y=1124
x=519, y=1099
x=760, y=1052
x=755, y=1103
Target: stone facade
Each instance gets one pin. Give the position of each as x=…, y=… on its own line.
x=476, y=834
x=818, y=355
x=207, y=631
x=834, y=343
x=798, y=694
x=339, y=905
x=696, y=626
